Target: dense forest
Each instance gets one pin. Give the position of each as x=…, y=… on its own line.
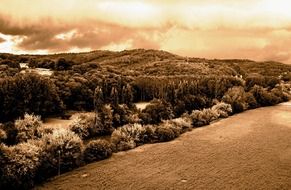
x=182, y=92
x=123, y=78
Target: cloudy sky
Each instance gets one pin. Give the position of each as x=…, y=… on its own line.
x=255, y=29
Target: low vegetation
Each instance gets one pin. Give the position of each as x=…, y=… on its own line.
x=128, y=136
x=85, y=125
x=97, y=150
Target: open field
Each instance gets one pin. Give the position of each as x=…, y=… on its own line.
x=142, y=105
x=251, y=150
x=57, y=122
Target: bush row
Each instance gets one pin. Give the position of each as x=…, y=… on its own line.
x=204, y=117
x=43, y=152
x=133, y=135
x=258, y=96
x=38, y=159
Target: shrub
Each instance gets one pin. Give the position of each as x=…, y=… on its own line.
x=134, y=118
x=121, y=115
x=171, y=125
x=251, y=101
x=279, y=94
x=178, y=125
x=44, y=130
x=156, y=111
x=80, y=127
x=271, y=81
x=223, y=109
x=63, y=64
x=22, y=162
x=276, y=96
x=150, y=134
x=106, y=116
x=62, y=141
x=128, y=136
x=3, y=163
x=197, y=118
x=286, y=89
x=179, y=108
x=210, y=115
x=165, y=133
x=3, y=135
x=236, y=97
x=145, y=118
x=286, y=76
x=86, y=125
x=122, y=140
x=255, y=79
x=11, y=133
x=263, y=97
x=192, y=102
x=27, y=127
x=97, y=150
x=204, y=117
x=183, y=122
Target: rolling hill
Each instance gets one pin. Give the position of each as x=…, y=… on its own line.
x=139, y=62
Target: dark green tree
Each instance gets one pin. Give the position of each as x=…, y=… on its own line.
x=114, y=96
x=63, y=64
x=28, y=93
x=156, y=111
x=98, y=98
x=127, y=95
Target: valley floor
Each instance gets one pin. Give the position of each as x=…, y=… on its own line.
x=251, y=150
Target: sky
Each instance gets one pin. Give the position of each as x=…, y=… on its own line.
x=247, y=29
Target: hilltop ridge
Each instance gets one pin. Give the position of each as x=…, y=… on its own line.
x=155, y=62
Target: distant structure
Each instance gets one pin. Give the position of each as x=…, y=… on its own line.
x=239, y=76
x=23, y=65
x=187, y=60
x=41, y=71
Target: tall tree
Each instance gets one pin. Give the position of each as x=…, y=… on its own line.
x=114, y=96
x=98, y=98
x=127, y=96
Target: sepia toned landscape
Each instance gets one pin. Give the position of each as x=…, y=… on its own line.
x=145, y=95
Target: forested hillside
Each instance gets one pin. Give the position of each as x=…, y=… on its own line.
x=125, y=77
x=148, y=62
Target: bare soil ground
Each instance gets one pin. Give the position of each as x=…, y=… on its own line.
x=142, y=105
x=59, y=122
x=251, y=150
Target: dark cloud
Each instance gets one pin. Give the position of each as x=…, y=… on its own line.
x=92, y=34
x=12, y=26
x=261, y=43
